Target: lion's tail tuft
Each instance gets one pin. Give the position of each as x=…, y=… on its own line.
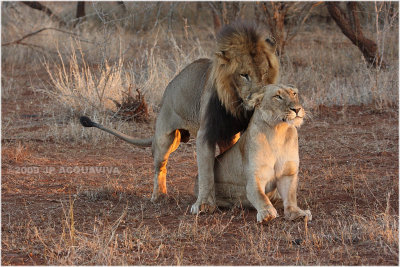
x=87, y=122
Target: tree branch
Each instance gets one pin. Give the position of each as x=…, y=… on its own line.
x=19, y=41
x=38, y=6
x=368, y=48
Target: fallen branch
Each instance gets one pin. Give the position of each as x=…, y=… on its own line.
x=38, y=6
x=19, y=41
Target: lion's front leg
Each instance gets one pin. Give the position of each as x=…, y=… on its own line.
x=287, y=187
x=255, y=191
x=205, y=162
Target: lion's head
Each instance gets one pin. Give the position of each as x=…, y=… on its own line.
x=279, y=103
x=244, y=64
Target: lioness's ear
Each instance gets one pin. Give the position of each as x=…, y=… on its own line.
x=222, y=55
x=271, y=43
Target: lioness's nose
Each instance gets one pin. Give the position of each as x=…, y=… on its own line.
x=296, y=110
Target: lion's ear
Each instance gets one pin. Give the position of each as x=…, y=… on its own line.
x=256, y=98
x=222, y=55
x=271, y=43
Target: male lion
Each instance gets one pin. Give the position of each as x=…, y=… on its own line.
x=263, y=165
x=209, y=98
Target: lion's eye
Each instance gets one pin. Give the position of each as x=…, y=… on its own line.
x=246, y=76
x=279, y=97
x=294, y=94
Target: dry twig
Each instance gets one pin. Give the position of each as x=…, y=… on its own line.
x=19, y=41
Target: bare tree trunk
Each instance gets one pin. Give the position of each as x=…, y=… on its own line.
x=275, y=15
x=275, y=19
x=122, y=5
x=230, y=11
x=217, y=22
x=38, y=6
x=352, y=29
x=80, y=10
x=224, y=13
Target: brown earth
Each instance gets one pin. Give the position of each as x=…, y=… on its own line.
x=54, y=214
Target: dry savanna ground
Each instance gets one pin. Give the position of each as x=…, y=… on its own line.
x=75, y=196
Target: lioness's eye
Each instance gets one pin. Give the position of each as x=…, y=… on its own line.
x=246, y=76
x=279, y=97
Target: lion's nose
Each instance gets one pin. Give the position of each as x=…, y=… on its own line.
x=296, y=110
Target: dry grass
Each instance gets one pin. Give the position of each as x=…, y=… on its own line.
x=93, y=219
x=349, y=154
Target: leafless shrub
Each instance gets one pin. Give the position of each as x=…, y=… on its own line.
x=285, y=19
x=133, y=107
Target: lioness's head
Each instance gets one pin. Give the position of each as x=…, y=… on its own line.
x=244, y=63
x=279, y=103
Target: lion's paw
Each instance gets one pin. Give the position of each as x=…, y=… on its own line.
x=155, y=197
x=267, y=214
x=205, y=207
x=298, y=213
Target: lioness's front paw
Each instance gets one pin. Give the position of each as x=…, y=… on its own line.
x=205, y=207
x=296, y=213
x=267, y=214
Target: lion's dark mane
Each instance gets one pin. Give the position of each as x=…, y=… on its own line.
x=220, y=125
x=225, y=115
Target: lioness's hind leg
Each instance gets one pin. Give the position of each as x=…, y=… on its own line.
x=163, y=146
x=275, y=199
x=293, y=213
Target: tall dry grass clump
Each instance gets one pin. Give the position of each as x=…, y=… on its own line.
x=77, y=88
x=86, y=89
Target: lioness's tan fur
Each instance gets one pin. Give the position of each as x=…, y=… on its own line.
x=265, y=160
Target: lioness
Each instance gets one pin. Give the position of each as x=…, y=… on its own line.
x=264, y=163
x=210, y=99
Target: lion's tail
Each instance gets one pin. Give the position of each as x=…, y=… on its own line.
x=87, y=122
